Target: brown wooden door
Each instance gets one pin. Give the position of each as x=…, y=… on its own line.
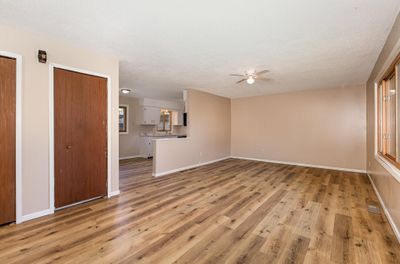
x=7, y=139
x=80, y=137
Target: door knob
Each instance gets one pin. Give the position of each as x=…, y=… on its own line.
x=68, y=147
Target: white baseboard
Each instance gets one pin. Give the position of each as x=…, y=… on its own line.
x=114, y=193
x=388, y=216
x=31, y=216
x=188, y=167
x=130, y=157
x=262, y=160
x=301, y=164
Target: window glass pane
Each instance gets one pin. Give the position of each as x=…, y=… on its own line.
x=391, y=117
x=122, y=119
x=379, y=128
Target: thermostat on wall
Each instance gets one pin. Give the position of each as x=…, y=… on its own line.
x=42, y=56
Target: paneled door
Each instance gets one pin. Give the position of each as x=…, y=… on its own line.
x=80, y=137
x=7, y=139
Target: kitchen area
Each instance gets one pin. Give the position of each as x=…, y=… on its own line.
x=143, y=120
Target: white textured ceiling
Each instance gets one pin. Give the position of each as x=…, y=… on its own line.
x=167, y=46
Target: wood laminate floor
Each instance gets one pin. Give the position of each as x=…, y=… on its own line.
x=233, y=211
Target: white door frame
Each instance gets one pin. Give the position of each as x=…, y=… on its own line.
x=51, y=125
x=18, y=136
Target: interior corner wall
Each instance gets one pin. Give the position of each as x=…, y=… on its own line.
x=35, y=107
x=208, y=135
x=324, y=127
x=387, y=186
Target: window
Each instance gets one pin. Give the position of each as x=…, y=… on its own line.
x=165, y=121
x=123, y=119
x=388, y=116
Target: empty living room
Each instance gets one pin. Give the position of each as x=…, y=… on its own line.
x=207, y=131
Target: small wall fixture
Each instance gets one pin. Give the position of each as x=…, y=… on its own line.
x=125, y=91
x=42, y=56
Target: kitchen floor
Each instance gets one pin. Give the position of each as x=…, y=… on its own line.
x=133, y=168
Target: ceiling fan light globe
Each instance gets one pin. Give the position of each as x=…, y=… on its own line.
x=125, y=91
x=250, y=80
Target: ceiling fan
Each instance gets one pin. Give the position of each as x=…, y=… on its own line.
x=251, y=76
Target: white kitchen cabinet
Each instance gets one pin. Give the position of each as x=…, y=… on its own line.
x=146, y=147
x=180, y=118
x=149, y=115
x=177, y=118
x=174, y=118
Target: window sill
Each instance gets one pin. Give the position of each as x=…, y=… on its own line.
x=392, y=169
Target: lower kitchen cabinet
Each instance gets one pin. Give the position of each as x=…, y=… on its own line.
x=146, y=147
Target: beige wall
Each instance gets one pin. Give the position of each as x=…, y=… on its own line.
x=129, y=144
x=209, y=124
x=35, y=107
x=323, y=127
x=387, y=185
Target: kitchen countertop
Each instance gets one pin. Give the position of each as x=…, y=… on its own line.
x=164, y=136
x=168, y=138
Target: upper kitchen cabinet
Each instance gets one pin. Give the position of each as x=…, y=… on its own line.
x=149, y=115
x=177, y=118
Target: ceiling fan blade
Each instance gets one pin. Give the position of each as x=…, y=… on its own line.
x=264, y=79
x=262, y=72
x=239, y=75
x=242, y=80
